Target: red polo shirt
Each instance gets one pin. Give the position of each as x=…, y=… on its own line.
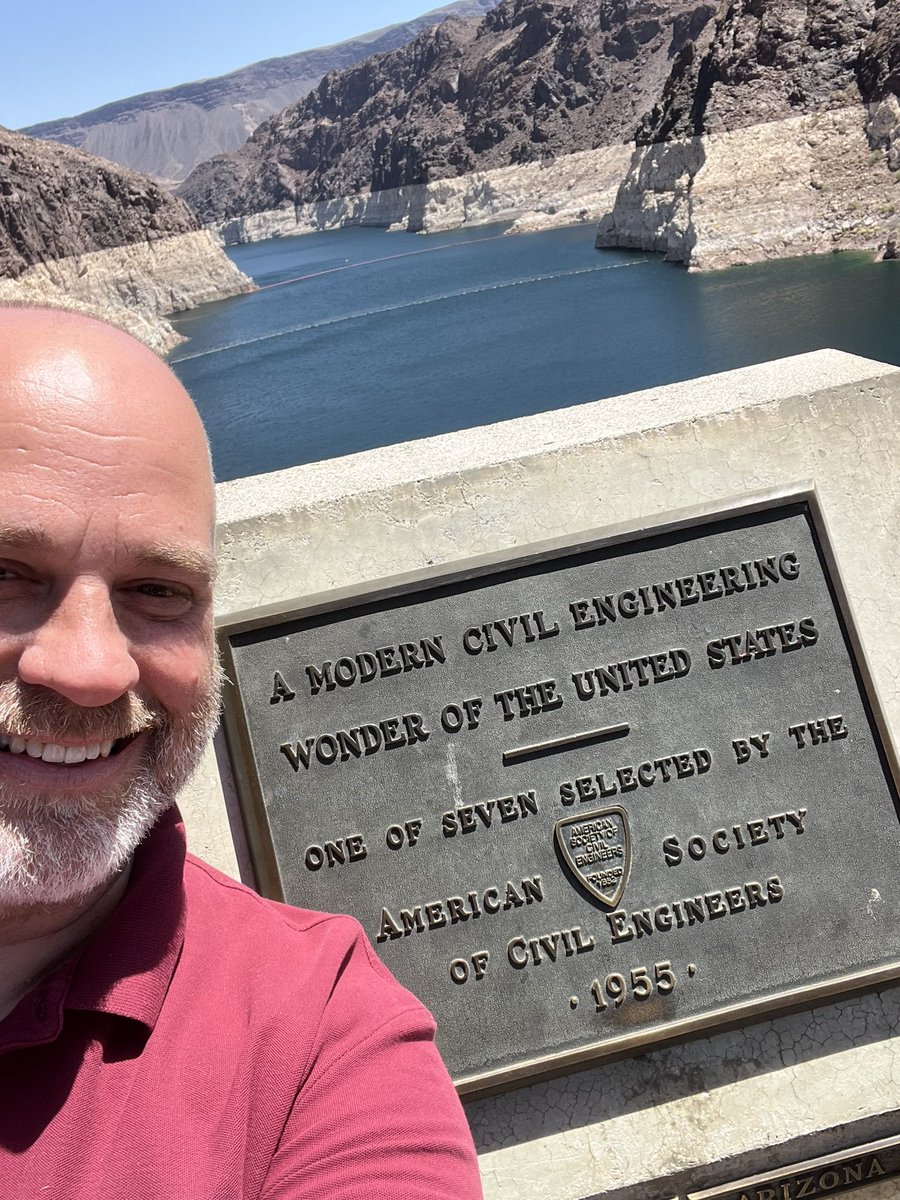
x=210, y=1045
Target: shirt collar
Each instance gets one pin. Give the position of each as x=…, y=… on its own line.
x=126, y=968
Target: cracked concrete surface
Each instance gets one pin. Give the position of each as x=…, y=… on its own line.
x=723, y=1107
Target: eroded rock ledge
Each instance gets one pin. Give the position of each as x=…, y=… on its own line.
x=804, y=185
x=135, y=286
x=77, y=230
x=563, y=191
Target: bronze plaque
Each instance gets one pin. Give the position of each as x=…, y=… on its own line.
x=585, y=799
x=831, y=1175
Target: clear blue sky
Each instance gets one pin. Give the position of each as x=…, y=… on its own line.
x=62, y=57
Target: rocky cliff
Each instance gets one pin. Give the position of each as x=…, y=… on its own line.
x=168, y=132
x=775, y=137
x=534, y=79
x=757, y=128
x=77, y=230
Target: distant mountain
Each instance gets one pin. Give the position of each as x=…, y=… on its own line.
x=168, y=132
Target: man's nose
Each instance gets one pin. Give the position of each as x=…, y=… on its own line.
x=79, y=649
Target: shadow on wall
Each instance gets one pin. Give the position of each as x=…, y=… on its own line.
x=612, y=1090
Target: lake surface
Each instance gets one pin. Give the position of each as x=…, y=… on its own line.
x=360, y=338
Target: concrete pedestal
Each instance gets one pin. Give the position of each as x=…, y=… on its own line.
x=720, y=1108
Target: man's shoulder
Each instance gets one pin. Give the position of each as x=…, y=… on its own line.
x=219, y=900
x=285, y=954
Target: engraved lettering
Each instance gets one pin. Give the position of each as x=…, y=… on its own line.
x=336, y=853
x=406, y=834
x=736, y=648
x=744, y=747
x=369, y=665
x=434, y=914
x=280, y=690
x=508, y=631
x=724, y=840
x=363, y=740
x=647, y=599
x=529, y=700
x=507, y=809
x=459, y=968
x=630, y=776
x=548, y=947
x=693, y=910
x=454, y=716
x=631, y=672
x=818, y=731
x=672, y=852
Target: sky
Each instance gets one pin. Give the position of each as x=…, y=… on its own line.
x=63, y=57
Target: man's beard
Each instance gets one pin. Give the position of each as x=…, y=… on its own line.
x=56, y=847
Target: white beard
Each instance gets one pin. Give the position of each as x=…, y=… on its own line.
x=54, y=853
x=57, y=848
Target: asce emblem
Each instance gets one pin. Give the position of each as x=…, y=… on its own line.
x=597, y=849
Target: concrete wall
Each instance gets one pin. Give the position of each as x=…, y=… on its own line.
x=722, y=1107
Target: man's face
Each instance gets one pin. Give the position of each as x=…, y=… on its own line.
x=108, y=687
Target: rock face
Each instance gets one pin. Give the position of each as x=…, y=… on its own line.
x=759, y=128
x=167, y=133
x=772, y=136
x=567, y=190
x=533, y=79
x=77, y=230
x=801, y=185
x=879, y=81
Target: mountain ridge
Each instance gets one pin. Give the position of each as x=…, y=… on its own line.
x=531, y=80
x=168, y=131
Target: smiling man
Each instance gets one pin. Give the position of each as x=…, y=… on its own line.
x=164, y=1032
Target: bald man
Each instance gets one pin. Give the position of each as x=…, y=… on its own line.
x=164, y=1032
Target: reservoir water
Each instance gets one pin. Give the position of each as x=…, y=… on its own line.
x=360, y=338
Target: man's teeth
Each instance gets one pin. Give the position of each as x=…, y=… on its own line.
x=53, y=753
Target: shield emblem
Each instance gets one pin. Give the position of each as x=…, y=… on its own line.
x=597, y=849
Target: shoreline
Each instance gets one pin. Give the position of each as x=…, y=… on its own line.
x=136, y=286
x=782, y=189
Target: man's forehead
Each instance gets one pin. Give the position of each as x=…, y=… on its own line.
x=63, y=374
x=86, y=370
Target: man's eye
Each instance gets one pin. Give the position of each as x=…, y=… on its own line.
x=11, y=575
x=161, y=589
x=161, y=599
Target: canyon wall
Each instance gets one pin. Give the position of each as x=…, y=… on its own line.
x=563, y=191
x=804, y=185
x=758, y=129
x=76, y=230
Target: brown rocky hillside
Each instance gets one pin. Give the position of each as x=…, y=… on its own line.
x=78, y=230
x=532, y=79
x=56, y=202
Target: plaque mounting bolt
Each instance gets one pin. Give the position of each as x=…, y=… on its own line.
x=573, y=1002
x=692, y=969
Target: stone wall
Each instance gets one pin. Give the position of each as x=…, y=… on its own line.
x=721, y=1107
